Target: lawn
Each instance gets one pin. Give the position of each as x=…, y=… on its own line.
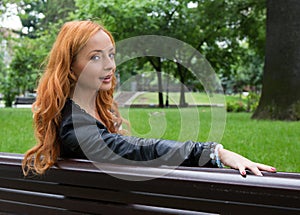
x=272, y=142
x=192, y=98
x=16, y=133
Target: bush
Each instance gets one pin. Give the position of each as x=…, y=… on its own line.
x=8, y=89
x=249, y=104
x=236, y=106
x=252, y=101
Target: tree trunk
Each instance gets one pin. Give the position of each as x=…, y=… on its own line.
x=181, y=72
x=160, y=89
x=280, y=97
x=157, y=65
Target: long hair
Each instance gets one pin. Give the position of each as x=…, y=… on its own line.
x=54, y=89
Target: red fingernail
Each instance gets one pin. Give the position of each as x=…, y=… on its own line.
x=273, y=168
x=244, y=173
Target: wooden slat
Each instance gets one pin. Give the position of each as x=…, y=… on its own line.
x=28, y=204
x=182, y=187
x=88, y=189
x=21, y=208
x=148, y=199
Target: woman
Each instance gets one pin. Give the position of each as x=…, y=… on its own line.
x=75, y=114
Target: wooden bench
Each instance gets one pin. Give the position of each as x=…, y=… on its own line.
x=79, y=187
x=24, y=101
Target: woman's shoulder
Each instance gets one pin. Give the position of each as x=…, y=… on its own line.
x=72, y=113
x=67, y=109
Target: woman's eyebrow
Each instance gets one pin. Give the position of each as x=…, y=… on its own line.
x=102, y=50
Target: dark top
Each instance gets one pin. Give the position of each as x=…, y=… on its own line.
x=82, y=136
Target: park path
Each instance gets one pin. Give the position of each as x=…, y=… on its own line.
x=125, y=98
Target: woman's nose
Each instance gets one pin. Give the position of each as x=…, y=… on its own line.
x=109, y=63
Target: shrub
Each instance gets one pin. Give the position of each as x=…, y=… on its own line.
x=236, y=106
x=249, y=104
x=252, y=101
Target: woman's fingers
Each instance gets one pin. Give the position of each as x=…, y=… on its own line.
x=255, y=168
x=241, y=163
x=242, y=169
x=265, y=167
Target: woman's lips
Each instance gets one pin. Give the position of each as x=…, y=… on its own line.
x=106, y=79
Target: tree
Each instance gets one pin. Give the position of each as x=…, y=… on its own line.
x=6, y=76
x=215, y=28
x=280, y=97
x=40, y=19
x=224, y=31
x=128, y=19
x=218, y=29
x=39, y=15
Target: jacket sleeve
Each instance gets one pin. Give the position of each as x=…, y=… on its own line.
x=82, y=136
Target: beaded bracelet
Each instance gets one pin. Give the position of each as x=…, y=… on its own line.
x=215, y=154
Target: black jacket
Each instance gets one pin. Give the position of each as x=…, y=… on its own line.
x=82, y=136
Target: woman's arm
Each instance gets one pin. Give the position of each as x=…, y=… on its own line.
x=84, y=137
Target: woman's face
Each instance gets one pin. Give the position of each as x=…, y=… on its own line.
x=94, y=65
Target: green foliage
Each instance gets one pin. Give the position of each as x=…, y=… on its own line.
x=247, y=103
x=8, y=88
x=2, y=66
x=224, y=31
x=41, y=20
x=39, y=15
x=236, y=106
x=26, y=65
x=252, y=101
x=230, y=34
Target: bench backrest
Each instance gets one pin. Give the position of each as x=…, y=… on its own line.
x=79, y=187
x=24, y=100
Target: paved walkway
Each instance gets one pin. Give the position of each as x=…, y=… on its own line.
x=125, y=98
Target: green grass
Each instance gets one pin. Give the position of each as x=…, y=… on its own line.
x=272, y=142
x=192, y=98
x=16, y=133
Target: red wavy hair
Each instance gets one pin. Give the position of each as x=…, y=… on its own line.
x=53, y=90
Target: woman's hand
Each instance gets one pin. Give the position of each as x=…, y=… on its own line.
x=236, y=161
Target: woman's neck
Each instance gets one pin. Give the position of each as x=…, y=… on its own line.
x=86, y=100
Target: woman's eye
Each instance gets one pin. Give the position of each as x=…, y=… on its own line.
x=112, y=55
x=95, y=57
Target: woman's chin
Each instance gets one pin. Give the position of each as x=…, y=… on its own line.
x=105, y=86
